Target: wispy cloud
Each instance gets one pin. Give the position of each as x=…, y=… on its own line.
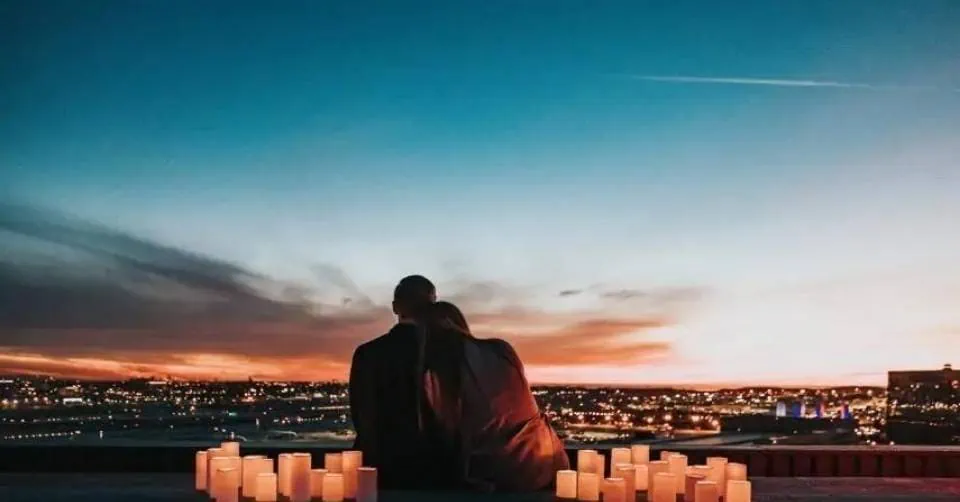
x=82, y=299
x=779, y=82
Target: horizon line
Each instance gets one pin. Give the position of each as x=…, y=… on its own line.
x=693, y=387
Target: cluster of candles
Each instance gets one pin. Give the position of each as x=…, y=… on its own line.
x=669, y=479
x=226, y=476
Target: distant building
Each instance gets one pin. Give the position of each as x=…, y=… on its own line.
x=821, y=410
x=795, y=430
x=923, y=407
x=781, y=409
x=796, y=410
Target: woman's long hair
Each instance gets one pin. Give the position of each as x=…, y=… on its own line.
x=447, y=332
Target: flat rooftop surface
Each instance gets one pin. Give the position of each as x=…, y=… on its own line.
x=179, y=487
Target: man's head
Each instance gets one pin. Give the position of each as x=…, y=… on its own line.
x=413, y=294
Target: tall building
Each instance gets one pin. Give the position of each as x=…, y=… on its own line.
x=923, y=407
x=781, y=409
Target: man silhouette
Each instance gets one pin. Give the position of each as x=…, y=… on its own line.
x=386, y=393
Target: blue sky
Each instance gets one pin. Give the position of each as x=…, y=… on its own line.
x=522, y=145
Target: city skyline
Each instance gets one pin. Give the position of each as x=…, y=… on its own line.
x=631, y=194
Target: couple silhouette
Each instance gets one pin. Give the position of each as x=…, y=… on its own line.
x=436, y=408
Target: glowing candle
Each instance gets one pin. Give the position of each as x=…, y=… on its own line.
x=366, y=484
x=566, y=484
x=265, y=465
x=266, y=487
x=692, y=479
x=588, y=486
x=678, y=467
x=706, y=491
x=736, y=472
x=718, y=473
x=230, y=448
x=351, y=460
x=215, y=464
x=227, y=482
x=613, y=490
x=333, y=487
x=703, y=470
x=586, y=460
x=316, y=483
x=250, y=468
x=640, y=454
x=641, y=479
x=664, y=487
x=212, y=453
x=628, y=474
x=201, y=471
x=620, y=456
x=300, y=477
x=284, y=462
x=653, y=468
x=333, y=463
x=601, y=466
x=738, y=491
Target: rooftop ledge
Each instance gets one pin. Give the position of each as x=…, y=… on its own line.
x=762, y=461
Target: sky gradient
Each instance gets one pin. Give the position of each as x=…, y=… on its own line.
x=632, y=192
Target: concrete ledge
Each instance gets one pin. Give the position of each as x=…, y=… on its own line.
x=763, y=461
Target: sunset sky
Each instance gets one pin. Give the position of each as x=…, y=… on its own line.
x=638, y=192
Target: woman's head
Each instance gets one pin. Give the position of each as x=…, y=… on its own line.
x=448, y=315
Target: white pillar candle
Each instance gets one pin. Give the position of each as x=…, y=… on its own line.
x=666, y=454
x=653, y=468
x=300, y=477
x=736, y=472
x=613, y=490
x=733, y=472
x=588, y=486
x=212, y=453
x=366, y=484
x=692, y=478
x=738, y=491
x=703, y=470
x=201, y=471
x=316, y=483
x=586, y=460
x=333, y=487
x=628, y=474
x=620, y=456
x=250, y=468
x=566, y=484
x=601, y=466
x=266, y=487
x=640, y=454
x=664, y=487
x=226, y=481
x=706, y=491
x=641, y=479
x=718, y=473
x=678, y=467
x=265, y=465
x=235, y=478
x=215, y=464
x=351, y=460
x=230, y=448
x=333, y=463
x=284, y=462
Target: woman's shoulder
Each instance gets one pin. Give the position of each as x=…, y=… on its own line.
x=501, y=346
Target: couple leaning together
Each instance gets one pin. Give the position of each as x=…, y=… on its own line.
x=436, y=408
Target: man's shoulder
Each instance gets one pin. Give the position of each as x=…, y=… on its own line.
x=400, y=334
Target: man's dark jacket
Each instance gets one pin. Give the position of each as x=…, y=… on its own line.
x=386, y=404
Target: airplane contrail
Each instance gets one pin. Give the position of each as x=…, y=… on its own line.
x=684, y=79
